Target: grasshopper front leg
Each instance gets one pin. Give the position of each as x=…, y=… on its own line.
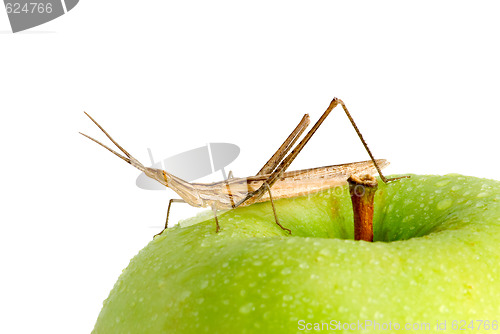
x=173, y=200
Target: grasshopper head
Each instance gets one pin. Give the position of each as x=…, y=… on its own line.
x=158, y=175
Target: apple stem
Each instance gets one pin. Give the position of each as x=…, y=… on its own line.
x=362, y=189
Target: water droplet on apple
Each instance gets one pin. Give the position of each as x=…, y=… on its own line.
x=303, y=265
x=444, y=204
x=257, y=263
x=443, y=309
x=185, y=294
x=247, y=308
x=203, y=284
x=408, y=218
x=343, y=309
x=408, y=201
x=286, y=271
x=266, y=315
x=483, y=194
x=325, y=252
x=278, y=262
x=341, y=250
x=442, y=183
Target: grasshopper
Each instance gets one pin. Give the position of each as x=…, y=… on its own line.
x=235, y=192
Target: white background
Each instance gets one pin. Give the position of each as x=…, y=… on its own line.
x=421, y=80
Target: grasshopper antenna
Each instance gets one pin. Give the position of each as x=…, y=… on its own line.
x=127, y=158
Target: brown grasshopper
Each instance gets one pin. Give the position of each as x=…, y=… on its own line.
x=235, y=192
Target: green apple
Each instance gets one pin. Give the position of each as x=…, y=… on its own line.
x=435, y=261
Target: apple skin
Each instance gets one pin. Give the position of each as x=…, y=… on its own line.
x=436, y=257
